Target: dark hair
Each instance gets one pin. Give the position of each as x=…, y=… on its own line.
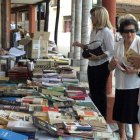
x=95, y=8
x=127, y=22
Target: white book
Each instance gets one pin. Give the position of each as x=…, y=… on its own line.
x=16, y=52
x=21, y=126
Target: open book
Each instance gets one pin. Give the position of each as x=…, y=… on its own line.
x=16, y=52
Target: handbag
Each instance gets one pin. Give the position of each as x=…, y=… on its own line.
x=87, y=52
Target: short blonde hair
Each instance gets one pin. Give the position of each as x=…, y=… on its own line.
x=102, y=17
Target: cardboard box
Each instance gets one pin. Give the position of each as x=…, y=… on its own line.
x=35, y=53
x=37, y=46
x=41, y=38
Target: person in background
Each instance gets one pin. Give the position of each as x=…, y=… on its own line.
x=118, y=37
x=97, y=71
x=127, y=81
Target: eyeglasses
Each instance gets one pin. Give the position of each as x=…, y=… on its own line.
x=129, y=31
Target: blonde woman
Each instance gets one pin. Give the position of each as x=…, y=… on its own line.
x=98, y=73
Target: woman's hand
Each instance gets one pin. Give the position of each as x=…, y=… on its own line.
x=113, y=63
x=77, y=44
x=93, y=57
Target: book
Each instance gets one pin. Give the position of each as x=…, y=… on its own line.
x=57, y=117
x=44, y=125
x=121, y=67
x=15, y=116
x=68, y=80
x=20, y=125
x=71, y=127
x=15, y=108
x=63, y=104
x=76, y=94
x=16, y=52
x=129, y=53
x=77, y=88
x=9, y=135
x=9, y=102
x=100, y=135
x=52, y=92
x=4, y=117
x=77, y=129
x=32, y=100
x=85, y=113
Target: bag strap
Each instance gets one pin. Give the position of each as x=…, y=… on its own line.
x=94, y=42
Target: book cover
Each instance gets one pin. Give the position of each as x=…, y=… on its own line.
x=77, y=127
x=20, y=125
x=9, y=135
x=44, y=125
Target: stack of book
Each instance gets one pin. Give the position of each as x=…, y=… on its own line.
x=76, y=94
x=79, y=129
x=23, y=127
x=60, y=117
x=52, y=92
x=19, y=74
x=85, y=113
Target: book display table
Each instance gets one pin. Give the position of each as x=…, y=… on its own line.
x=51, y=107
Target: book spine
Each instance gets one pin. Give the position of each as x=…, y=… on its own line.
x=13, y=95
x=15, y=108
x=8, y=102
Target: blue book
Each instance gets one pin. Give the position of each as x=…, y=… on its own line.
x=9, y=98
x=9, y=135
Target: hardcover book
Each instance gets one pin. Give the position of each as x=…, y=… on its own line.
x=56, y=117
x=9, y=135
x=71, y=127
x=44, y=125
x=20, y=125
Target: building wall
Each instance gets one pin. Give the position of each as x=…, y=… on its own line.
x=65, y=10
x=63, y=37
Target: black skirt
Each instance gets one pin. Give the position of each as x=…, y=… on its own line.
x=125, y=107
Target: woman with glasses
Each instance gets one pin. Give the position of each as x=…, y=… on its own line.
x=127, y=81
x=98, y=73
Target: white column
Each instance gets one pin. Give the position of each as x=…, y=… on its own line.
x=85, y=34
x=78, y=19
x=72, y=28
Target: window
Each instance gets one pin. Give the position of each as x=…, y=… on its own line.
x=54, y=3
x=26, y=16
x=67, y=24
